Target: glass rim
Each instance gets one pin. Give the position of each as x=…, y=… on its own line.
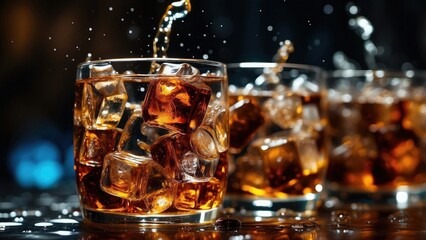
x=274, y=64
x=152, y=59
x=380, y=73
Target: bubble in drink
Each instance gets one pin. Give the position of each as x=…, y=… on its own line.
x=285, y=109
x=103, y=103
x=95, y=145
x=176, y=104
x=246, y=117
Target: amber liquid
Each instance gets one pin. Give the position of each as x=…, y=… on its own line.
x=90, y=156
x=280, y=171
x=377, y=146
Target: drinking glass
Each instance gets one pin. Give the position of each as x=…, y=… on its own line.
x=277, y=143
x=151, y=140
x=378, y=142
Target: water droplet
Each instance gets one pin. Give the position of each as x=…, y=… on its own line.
x=286, y=213
x=399, y=217
x=224, y=41
x=340, y=217
x=132, y=9
x=270, y=28
x=328, y=9
x=50, y=38
x=227, y=223
x=205, y=56
x=54, y=49
x=110, y=9
x=90, y=29
x=181, y=44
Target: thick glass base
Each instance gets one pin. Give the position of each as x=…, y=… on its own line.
x=253, y=206
x=196, y=217
x=381, y=199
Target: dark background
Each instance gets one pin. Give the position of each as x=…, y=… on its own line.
x=43, y=41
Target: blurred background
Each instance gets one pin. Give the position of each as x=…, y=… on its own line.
x=43, y=41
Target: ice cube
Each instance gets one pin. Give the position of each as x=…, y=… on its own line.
x=416, y=117
x=354, y=156
x=281, y=160
x=95, y=145
x=101, y=70
x=246, y=117
x=137, y=178
x=159, y=189
x=134, y=139
x=103, y=104
x=168, y=150
x=309, y=154
x=399, y=155
x=311, y=117
x=122, y=175
x=216, y=121
x=380, y=116
x=203, y=144
x=160, y=201
x=190, y=73
x=175, y=153
x=91, y=193
x=198, y=195
x=304, y=86
x=175, y=104
x=195, y=168
x=285, y=109
x=250, y=174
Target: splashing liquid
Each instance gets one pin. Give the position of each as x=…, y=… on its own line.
x=364, y=29
x=270, y=75
x=174, y=11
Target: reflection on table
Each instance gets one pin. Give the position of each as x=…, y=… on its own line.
x=56, y=215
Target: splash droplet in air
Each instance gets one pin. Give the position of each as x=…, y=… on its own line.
x=89, y=57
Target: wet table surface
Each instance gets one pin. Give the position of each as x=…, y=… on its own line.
x=55, y=214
